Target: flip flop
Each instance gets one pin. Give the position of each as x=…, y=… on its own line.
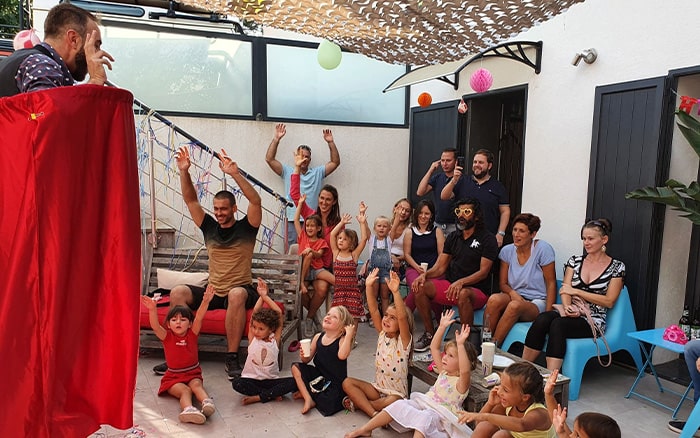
x=294, y=346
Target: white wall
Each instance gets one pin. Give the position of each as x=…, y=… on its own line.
x=635, y=39
x=374, y=161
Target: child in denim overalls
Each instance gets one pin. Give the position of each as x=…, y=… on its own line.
x=380, y=258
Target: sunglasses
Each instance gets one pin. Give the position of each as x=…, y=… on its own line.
x=466, y=211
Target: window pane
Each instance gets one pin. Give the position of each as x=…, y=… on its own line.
x=183, y=73
x=299, y=88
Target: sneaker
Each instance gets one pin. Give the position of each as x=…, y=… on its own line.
x=160, y=369
x=232, y=367
x=348, y=404
x=423, y=343
x=208, y=407
x=191, y=415
x=677, y=426
x=309, y=331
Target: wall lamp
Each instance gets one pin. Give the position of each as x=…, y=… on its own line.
x=589, y=56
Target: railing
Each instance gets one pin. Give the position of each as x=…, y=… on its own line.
x=24, y=21
x=163, y=210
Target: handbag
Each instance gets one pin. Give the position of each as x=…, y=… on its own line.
x=673, y=333
x=581, y=308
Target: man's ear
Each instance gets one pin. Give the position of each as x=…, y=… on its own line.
x=74, y=39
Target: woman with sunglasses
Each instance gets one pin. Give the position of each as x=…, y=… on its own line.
x=527, y=281
x=596, y=278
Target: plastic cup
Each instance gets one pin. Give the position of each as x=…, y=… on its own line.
x=306, y=347
x=488, y=351
x=424, y=267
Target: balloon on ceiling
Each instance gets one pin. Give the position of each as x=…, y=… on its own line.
x=329, y=55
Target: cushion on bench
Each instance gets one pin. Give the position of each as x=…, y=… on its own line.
x=214, y=322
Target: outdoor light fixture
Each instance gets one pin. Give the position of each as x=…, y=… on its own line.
x=589, y=56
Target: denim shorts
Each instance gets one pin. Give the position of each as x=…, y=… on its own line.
x=313, y=274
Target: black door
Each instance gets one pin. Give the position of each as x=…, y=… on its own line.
x=432, y=129
x=496, y=121
x=626, y=154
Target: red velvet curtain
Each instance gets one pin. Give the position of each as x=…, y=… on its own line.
x=69, y=261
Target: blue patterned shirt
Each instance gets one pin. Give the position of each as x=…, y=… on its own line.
x=39, y=72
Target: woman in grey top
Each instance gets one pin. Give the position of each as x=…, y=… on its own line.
x=527, y=282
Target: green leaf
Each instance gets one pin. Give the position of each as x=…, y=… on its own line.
x=675, y=194
x=661, y=195
x=690, y=128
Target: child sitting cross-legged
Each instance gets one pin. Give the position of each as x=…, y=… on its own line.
x=183, y=379
x=260, y=380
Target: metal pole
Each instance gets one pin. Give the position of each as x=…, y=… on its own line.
x=152, y=185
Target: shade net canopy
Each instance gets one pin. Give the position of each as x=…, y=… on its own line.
x=414, y=32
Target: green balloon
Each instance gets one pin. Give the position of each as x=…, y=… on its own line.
x=329, y=55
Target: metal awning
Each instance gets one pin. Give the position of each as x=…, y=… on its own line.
x=521, y=51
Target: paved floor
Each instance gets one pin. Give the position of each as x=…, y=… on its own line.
x=603, y=390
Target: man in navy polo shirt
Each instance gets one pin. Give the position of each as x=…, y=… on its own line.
x=489, y=191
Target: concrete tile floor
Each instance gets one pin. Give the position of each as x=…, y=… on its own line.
x=603, y=390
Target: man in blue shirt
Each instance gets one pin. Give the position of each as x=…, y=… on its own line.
x=489, y=191
x=444, y=217
x=311, y=177
x=71, y=50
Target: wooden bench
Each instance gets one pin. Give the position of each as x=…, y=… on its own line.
x=281, y=272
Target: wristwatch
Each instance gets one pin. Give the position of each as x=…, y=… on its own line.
x=502, y=233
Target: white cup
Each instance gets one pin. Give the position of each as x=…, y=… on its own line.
x=488, y=351
x=306, y=347
x=424, y=267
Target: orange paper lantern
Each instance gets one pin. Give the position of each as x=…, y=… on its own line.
x=425, y=99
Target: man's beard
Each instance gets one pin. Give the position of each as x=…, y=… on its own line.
x=480, y=175
x=465, y=224
x=81, y=68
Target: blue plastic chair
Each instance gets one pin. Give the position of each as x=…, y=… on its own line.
x=692, y=424
x=619, y=322
x=519, y=330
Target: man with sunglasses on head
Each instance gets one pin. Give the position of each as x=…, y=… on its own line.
x=459, y=276
x=311, y=178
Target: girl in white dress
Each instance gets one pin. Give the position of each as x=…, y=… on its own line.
x=434, y=414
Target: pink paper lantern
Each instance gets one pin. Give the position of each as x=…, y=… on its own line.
x=481, y=80
x=25, y=39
